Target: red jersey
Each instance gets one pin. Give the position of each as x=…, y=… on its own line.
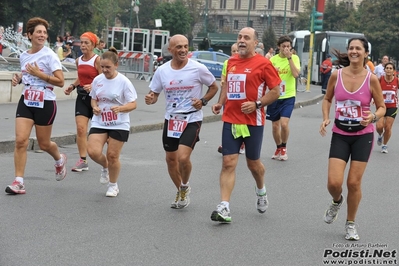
x=326, y=66
x=247, y=80
x=389, y=91
x=87, y=70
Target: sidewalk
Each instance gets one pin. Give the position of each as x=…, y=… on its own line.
x=144, y=118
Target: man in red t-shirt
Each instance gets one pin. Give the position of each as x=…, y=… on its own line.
x=325, y=70
x=244, y=97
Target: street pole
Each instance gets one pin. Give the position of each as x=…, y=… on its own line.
x=131, y=13
x=285, y=16
x=249, y=11
x=206, y=17
x=310, y=62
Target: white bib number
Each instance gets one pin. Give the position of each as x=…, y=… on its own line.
x=236, y=87
x=389, y=96
x=282, y=88
x=34, y=97
x=109, y=118
x=349, y=110
x=177, y=124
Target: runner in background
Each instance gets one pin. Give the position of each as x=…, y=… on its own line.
x=389, y=86
x=113, y=96
x=88, y=66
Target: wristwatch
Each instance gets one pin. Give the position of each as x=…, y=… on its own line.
x=258, y=104
x=204, y=101
x=374, y=118
x=289, y=58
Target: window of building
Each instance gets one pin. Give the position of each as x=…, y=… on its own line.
x=223, y=4
x=294, y=5
x=237, y=4
x=270, y=4
x=253, y=7
x=235, y=26
x=221, y=23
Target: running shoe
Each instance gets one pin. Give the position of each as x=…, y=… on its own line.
x=184, y=200
x=332, y=212
x=220, y=149
x=276, y=155
x=60, y=170
x=80, y=166
x=174, y=204
x=112, y=191
x=283, y=154
x=261, y=203
x=379, y=140
x=16, y=188
x=221, y=214
x=242, y=149
x=104, y=178
x=351, y=232
x=384, y=149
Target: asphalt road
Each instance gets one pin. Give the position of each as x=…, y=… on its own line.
x=72, y=222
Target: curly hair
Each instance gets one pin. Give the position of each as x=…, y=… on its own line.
x=33, y=22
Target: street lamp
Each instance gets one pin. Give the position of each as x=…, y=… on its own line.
x=131, y=11
x=264, y=16
x=269, y=17
x=249, y=11
x=285, y=16
x=134, y=6
x=206, y=17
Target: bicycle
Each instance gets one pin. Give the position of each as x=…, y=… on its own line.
x=301, y=84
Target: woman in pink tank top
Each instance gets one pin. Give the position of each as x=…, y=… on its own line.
x=353, y=88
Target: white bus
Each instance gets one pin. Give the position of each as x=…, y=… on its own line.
x=325, y=43
x=297, y=38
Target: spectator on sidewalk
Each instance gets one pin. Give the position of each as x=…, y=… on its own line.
x=325, y=70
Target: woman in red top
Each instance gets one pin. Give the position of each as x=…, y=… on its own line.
x=88, y=65
x=389, y=86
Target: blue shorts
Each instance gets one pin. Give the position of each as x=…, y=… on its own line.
x=253, y=144
x=280, y=108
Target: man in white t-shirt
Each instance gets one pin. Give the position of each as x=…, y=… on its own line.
x=379, y=70
x=181, y=79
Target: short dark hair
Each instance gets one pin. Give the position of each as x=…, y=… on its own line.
x=283, y=39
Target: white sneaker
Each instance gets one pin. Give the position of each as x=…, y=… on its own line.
x=112, y=191
x=104, y=178
x=60, y=170
x=184, y=200
x=242, y=149
x=351, y=232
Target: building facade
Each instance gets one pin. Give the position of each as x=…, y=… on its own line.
x=229, y=16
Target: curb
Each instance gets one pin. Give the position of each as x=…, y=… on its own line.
x=7, y=146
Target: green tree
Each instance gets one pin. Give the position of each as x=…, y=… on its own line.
x=335, y=16
x=302, y=20
x=175, y=17
x=269, y=38
x=194, y=9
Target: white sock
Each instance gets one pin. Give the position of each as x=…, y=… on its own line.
x=60, y=161
x=105, y=170
x=184, y=185
x=20, y=179
x=226, y=203
x=113, y=184
x=261, y=191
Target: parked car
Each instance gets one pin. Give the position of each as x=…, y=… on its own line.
x=211, y=59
